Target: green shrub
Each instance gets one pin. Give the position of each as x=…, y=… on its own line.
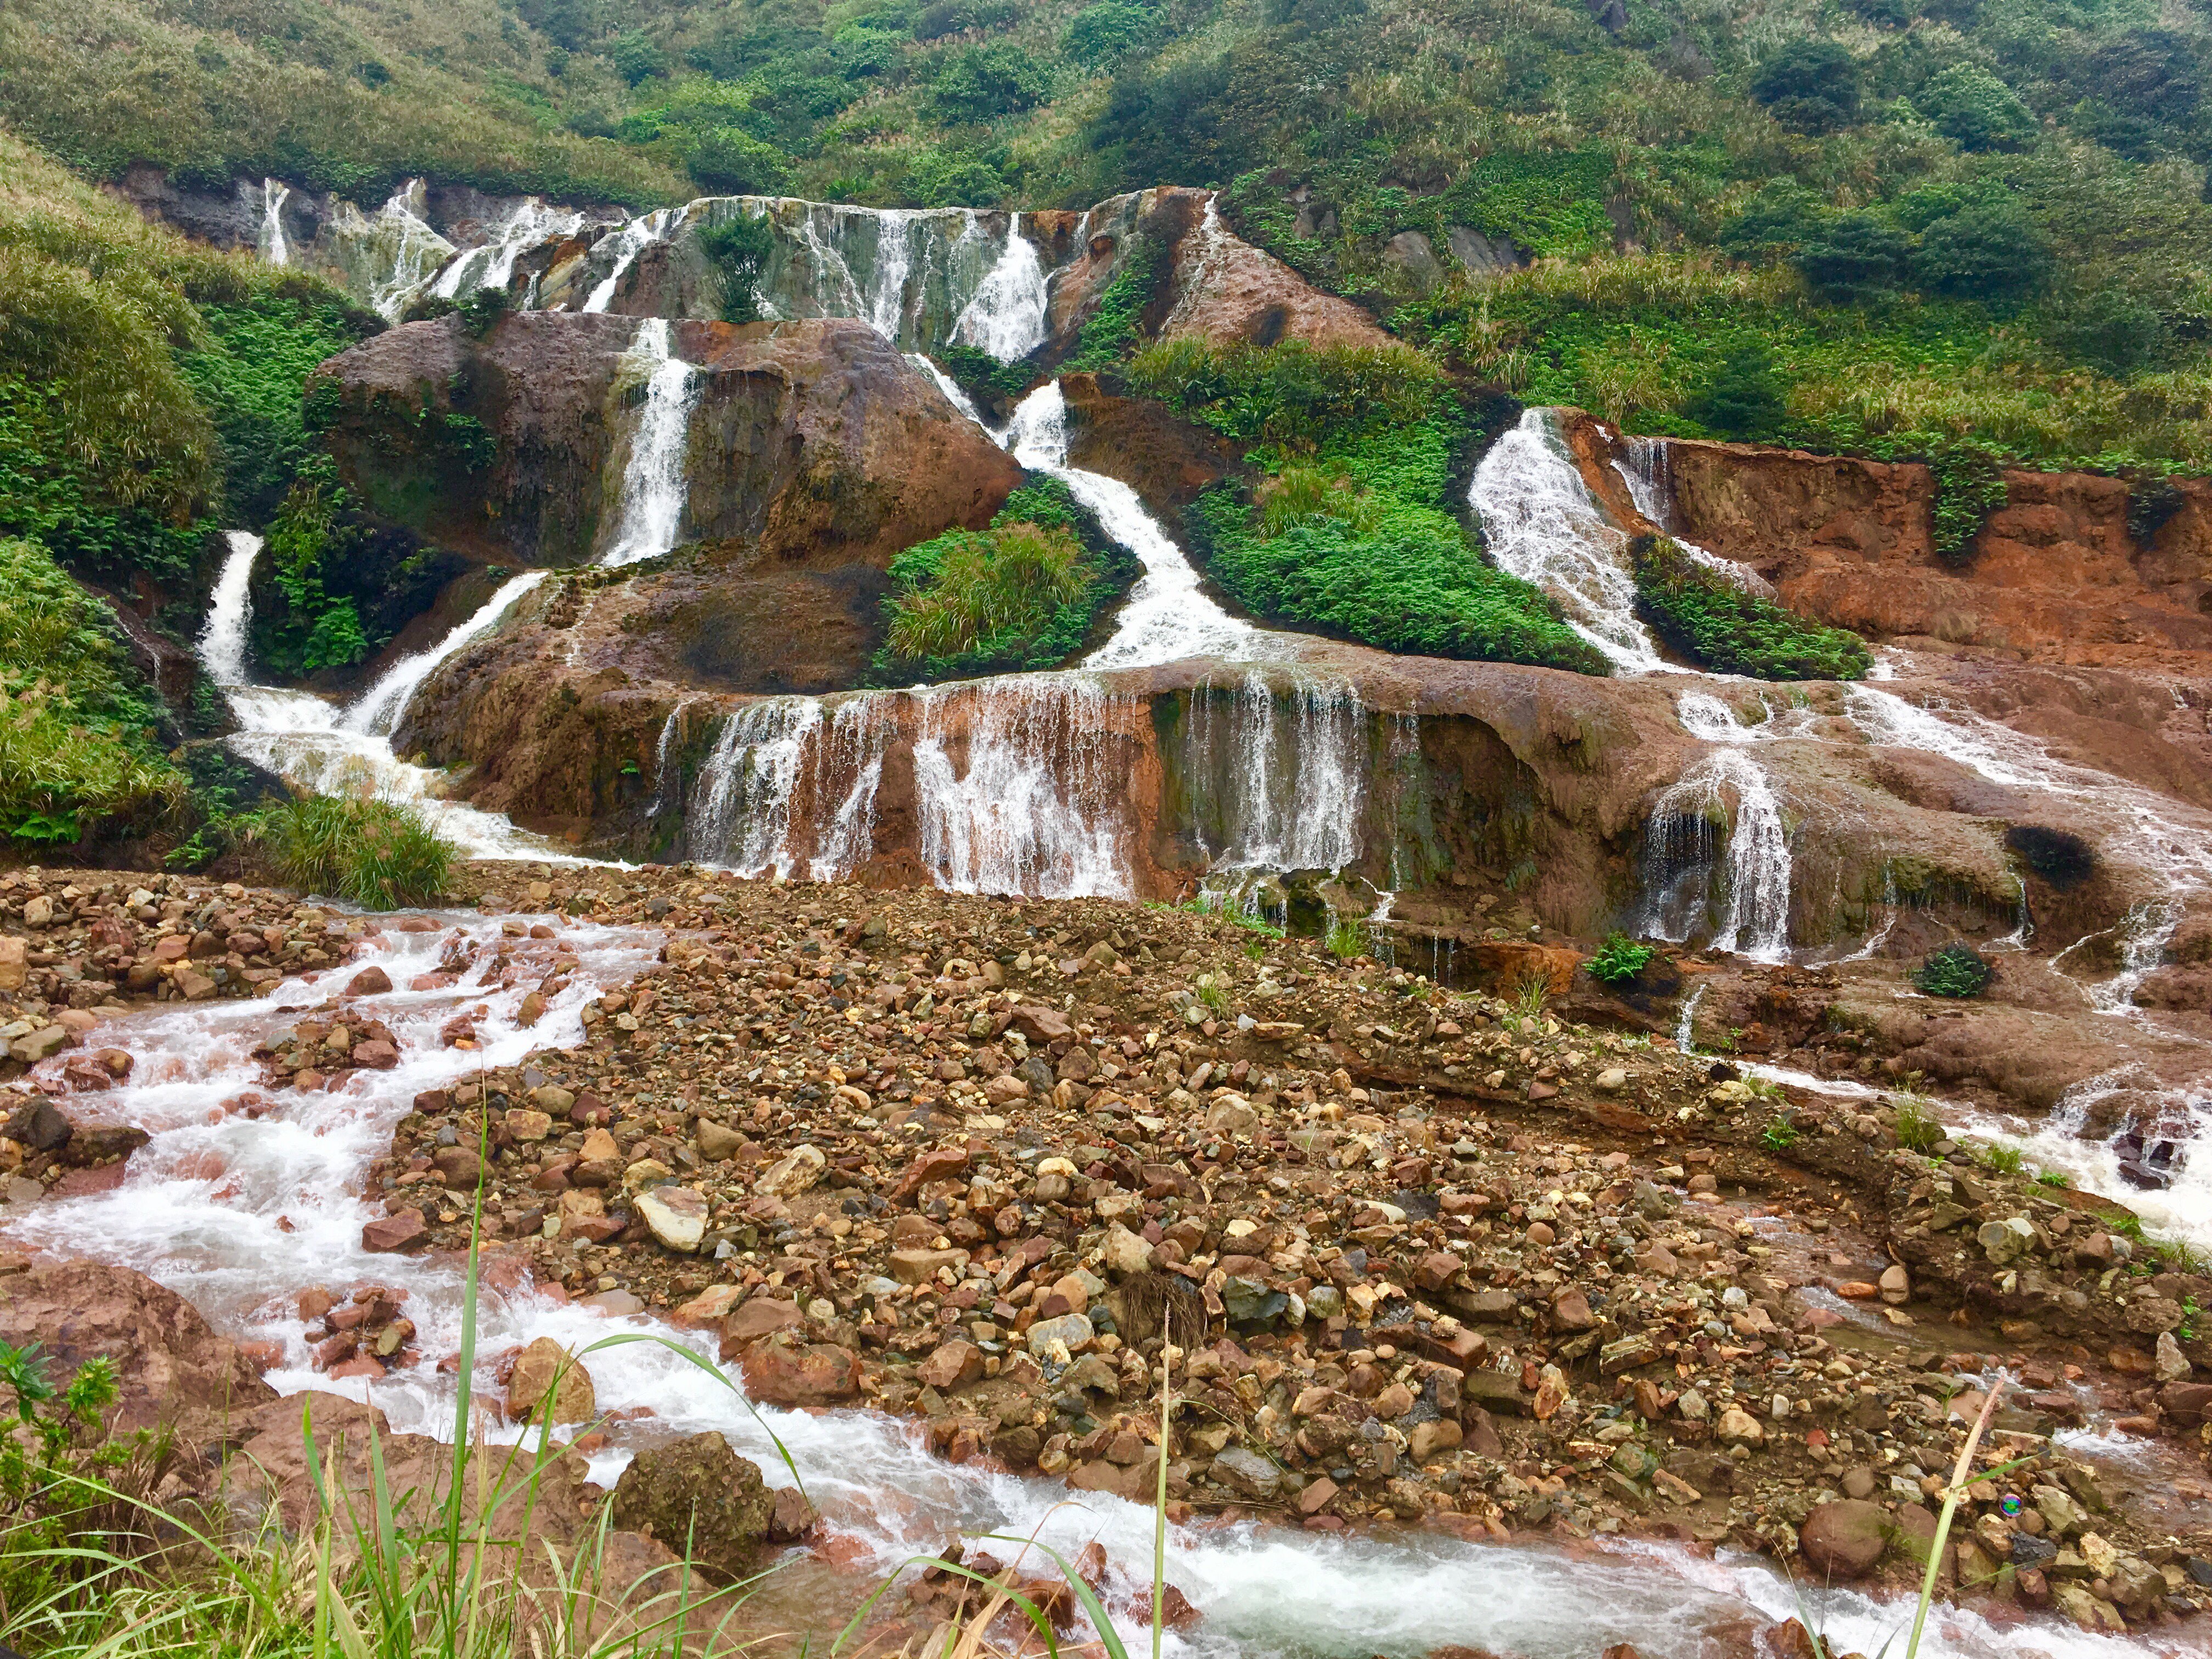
x=1969, y=104
x=79, y=749
x=1918, y=1129
x=1022, y=595
x=1855, y=256
x=1101, y=34
x=1110, y=330
x=1620, y=960
x=731, y=161
x=380, y=854
x=1700, y=612
x=1810, y=86
x=1954, y=971
x=1983, y=252
x=1292, y=394
x=737, y=250
x=1744, y=400
x=981, y=83
x=1779, y=1135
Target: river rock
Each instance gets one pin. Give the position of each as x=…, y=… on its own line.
x=677, y=1215
x=795, y=1173
x=545, y=1365
x=1247, y=1473
x=701, y=1500
x=402, y=1232
x=39, y=1125
x=1844, y=1538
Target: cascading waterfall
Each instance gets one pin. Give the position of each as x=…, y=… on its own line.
x=492, y=265
x=384, y=705
x=1688, y=827
x=1282, y=780
x=393, y=255
x=1541, y=523
x=744, y=819
x=1041, y=808
x=632, y=239
x=1646, y=467
x=309, y=741
x=2168, y=844
x=271, y=244
x=655, y=486
x=1007, y=318
x=1168, y=617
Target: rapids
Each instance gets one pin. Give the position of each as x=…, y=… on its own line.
x=246, y=1196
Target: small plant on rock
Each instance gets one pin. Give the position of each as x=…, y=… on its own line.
x=1346, y=940
x=2053, y=1178
x=1955, y=971
x=1620, y=960
x=378, y=853
x=1530, y=993
x=1779, y=1135
x=2005, y=1160
x=1918, y=1129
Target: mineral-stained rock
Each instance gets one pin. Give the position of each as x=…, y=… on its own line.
x=677, y=1215
x=1844, y=1538
x=546, y=1364
x=700, y=1499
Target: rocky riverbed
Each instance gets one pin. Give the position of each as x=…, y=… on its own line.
x=1430, y=1258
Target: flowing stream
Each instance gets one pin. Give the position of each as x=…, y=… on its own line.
x=244, y=1196
x=314, y=743
x=655, y=476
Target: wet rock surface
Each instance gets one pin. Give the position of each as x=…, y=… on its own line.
x=1425, y=1256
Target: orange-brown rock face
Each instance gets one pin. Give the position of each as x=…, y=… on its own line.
x=810, y=442
x=2054, y=575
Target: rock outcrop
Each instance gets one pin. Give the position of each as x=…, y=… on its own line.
x=811, y=443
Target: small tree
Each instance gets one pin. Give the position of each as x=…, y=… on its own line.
x=1744, y=400
x=737, y=250
x=1856, y=256
x=1810, y=86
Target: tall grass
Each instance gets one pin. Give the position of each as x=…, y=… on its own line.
x=983, y=585
x=377, y=854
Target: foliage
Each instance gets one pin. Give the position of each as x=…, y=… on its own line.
x=1968, y=103
x=1779, y=1135
x=1954, y=971
x=1024, y=594
x=2005, y=1160
x=1810, y=86
x=1346, y=940
x=380, y=854
x=320, y=629
x=55, y=1465
x=1728, y=628
x=1110, y=332
x=737, y=249
x=78, y=751
x=1292, y=393
x=1744, y=400
x=1620, y=960
x=1917, y=1128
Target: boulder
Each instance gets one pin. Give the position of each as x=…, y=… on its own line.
x=169, y=1362
x=702, y=1501
x=781, y=1372
x=1844, y=1538
x=546, y=1364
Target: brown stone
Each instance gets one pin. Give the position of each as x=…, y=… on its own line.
x=402, y=1232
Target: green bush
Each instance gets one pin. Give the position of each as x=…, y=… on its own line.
x=1744, y=400
x=1810, y=86
x=1101, y=34
x=1854, y=257
x=1984, y=253
x=1969, y=104
x=1109, y=331
x=79, y=747
x=380, y=854
x=1703, y=614
x=737, y=250
x=982, y=83
x=1954, y=971
x=1292, y=394
x=732, y=162
x=1620, y=960
x=1022, y=595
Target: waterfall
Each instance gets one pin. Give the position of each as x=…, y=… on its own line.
x=271, y=244
x=2169, y=845
x=1282, y=781
x=529, y=222
x=391, y=258
x=953, y=394
x=384, y=705
x=654, y=485
x=1541, y=523
x=1646, y=467
x=1683, y=836
x=1041, y=808
x=311, y=743
x=222, y=639
x=632, y=239
x=1168, y=617
x=744, y=819
x=1007, y=318
x=1209, y=254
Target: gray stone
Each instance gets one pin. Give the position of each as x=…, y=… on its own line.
x=1247, y=1472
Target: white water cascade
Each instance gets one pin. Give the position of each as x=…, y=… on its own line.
x=1007, y=318
x=1646, y=467
x=1692, y=819
x=244, y=1196
x=393, y=255
x=271, y=244
x=1168, y=617
x=1542, y=524
x=310, y=741
x=1281, y=779
x=492, y=265
x=654, y=480
x=632, y=239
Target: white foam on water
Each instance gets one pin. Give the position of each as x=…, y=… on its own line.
x=1168, y=617
x=271, y=244
x=655, y=485
x=632, y=239
x=1646, y=467
x=379, y=709
x=491, y=265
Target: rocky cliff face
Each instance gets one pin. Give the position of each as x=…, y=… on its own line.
x=808, y=443
x=2054, y=574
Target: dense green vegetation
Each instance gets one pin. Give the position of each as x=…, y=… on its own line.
x=79, y=731
x=1346, y=530
x=1954, y=971
x=380, y=854
x=1721, y=626
x=1025, y=593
